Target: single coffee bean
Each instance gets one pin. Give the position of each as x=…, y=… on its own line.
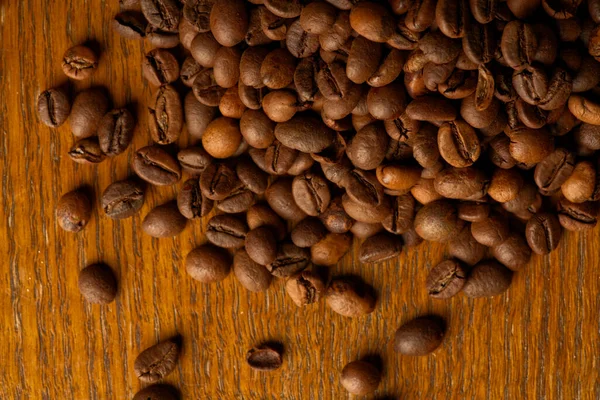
x=350, y=298
x=581, y=184
x=197, y=12
x=459, y=85
x=363, y=59
x=587, y=75
x=388, y=70
x=436, y=221
x=166, y=115
x=513, y=253
x=333, y=82
x=191, y=202
x=561, y=9
x=588, y=135
x=452, y=17
x=465, y=248
x=273, y=26
x=366, y=213
x=373, y=21
x=280, y=105
x=239, y=200
x=164, y=221
x=290, y=259
x=253, y=276
x=491, y=231
x=157, y=392
x=424, y=191
x=231, y=105
x=303, y=163
x=461, y=183
x=360, y=378
x=476, y=118
x=123, y=199
x=429, y=108
x=194, y=160
x=308, y=232
x=279, y=158
x=446, y=279
x=256, y=36
x=363, y=230
x=420, y=336
x=554, y=170
x=364, y=187
x=130, y=24
x=73, y=211
x=79, y=62
x=543, y=233
x=487, y=279
x=379, y=248
x=115, y=131
x=208, y=263
x=206, y=89
x=420, y=15
x=88, y=109
x=368, y=147
x=226, y=67
x=387, y=102
x=257, y=129
x=160, y=67
x=401, y=218
x=158, y=361
x=251, y=176
x=458, y=144
x=189, y=71
x=305, y=288
x=163, y=14
x=330, y=250
x=226, y=231
x=519, y=44
x=473, y=211
x=305, y=133
x=530, y=146
x=531, y=84
x=250, y=65
x=261, y=245
x=300, y=43
x=531, y=116
x=167, y=40
x=577, y=216
x=559, y=90
x=311, y=193
x=280, y=197
x=197, y=115
x=435, y=74
x=229, y=21
x=187, y=32
x=527, y=202
x=505, y=184
x=222, y=137
x=97, y=284
x=204, y=49
x=87, y=151
x=53, y=107
x=480, y=42
x=262, y=214
x=264, y=358
x=156, y=166
x=484, y=92
x=499, y=152
x=584, y=109
x=277, y=69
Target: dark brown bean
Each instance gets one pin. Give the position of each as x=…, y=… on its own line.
x=420, y=336
x=305, y=288
x=156, y=166
x=445, y=279
x=350, y=298
x=487, y=279
x=253, y=276
x=543, y=233
x=87, y=151
x=53, y=107
x=264, y=358
x=164, y=221
x=97, y=284
x=158, y=361
x=73, y=211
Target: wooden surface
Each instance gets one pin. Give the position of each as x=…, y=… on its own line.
x=538, y=341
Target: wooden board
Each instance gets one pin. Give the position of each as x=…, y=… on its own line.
x=538, y=341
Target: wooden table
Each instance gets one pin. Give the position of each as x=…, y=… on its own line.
x=538, y=341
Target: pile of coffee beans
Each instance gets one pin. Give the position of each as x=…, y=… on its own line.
x=474, y=123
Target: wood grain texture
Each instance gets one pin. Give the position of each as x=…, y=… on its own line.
x=538, y=341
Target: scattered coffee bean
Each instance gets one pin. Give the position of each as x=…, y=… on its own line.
x=73, y=211
x=330, y=250
x=261, y=245
x=446, y=279
x=87, y=151
x=97, y=284
x=54, y=107
x=156, y=166
x=487, y=279
x=543, y=233
x=226, y=231
x=264, y=358
x=79, y=62
x=123, y=199
x=162, y=14
x=208, y=263
x=380, y=247
x=88, y=109
x=308, y=232
x=252, y=276
x=158, y=361
x=164, y=221
x=514, y=252
x=115, y=131
x=350, y=298
x=420, y=336
x=305, y=288
x=465, y=248
x=577, y=216
x=360, y=378
x=166, y=115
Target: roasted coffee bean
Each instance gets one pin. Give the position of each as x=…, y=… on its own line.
x=373, y=21
x=166, y=115
x=250, y=66
x=363, y=230
x=231, y=105
x=360, y=378
x=79, y=62
x=363, y=59
x=305, y=133
x=197, y=116
x=484, y=92
x=561, y=9
x=156, y=166
x=380, y=247
x=88, y=109
x=87, y=151
x=226, y=231
x=253, y=276
x=461, y=183
x=163, y=14
x=305, y=288
x=277, y=69
x=239, y=200
x=53, y=107
x=554, y=170
x=311, y=193
x=191, y=202
x=473, y=211
x=194, y=160
x=204, y=49
x=530, y=116
x=339, y=33
x=300, y=43
x=499, y=152
x=424, y=191
x=280, y=105
x=559, y=90
x=197, y=12
x=577, y=216
x=264, y=358
x=530, y=146
x=222, y=137
x=398, y=177
x=208, y=263
x=446, y=279
x=368, y=147
x=257, y=129
x=157, y=392
x=487, y=279
x=256, y=36
x=305, y=78
x=491, y=231
x=290, y=259
x=123, y=199
x=226, y=67
x=459, y=85
x=479, y=119
x=158, y=361
x=584, y=109
x=531, y=84
x=187, y=32
x=333, y=153
x=330, y=250
x=229, y=21
x=543, y=232
x=588, y=135
x=164, y=221
x=160, y=67
x=458, y=144
x=97, y=284
x=364, y=187
x=429, y=108
x=403, y=38
x=465, y=248
x=189, y=71
x=261, y=245
x=262, y=214
x=333, y=82
x=420, y=15
x=279, y=158
x=387, y=102
x=452, y=17
x=581, y=184
x=505, y=185
x=519, y=44
x=318, y=17
x=514, y=252
x=480, y=42
x=388, y=70
x=366, y=213
x=350, y=298
x=73, y=211
x=401, y=218
x=166, y=40
x=251, y=176
x=308, y=232
x=335, y=218
x=206, y=89
x=527, y=202
x=420, y=336
x=435, y=74
x=115, y=131
x=130, y=24
x=273, y=26
x=436, y=221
